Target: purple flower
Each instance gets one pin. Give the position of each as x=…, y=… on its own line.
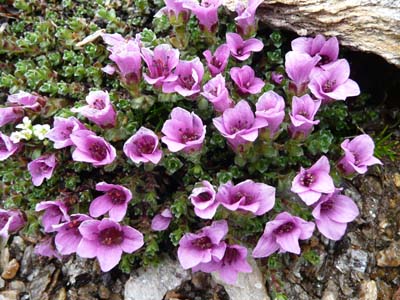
x=216, y=92
x=245, y=80
x=332, y=82
x=25, y=100
x=11, y=221
x=302, y=115
x=247, y=196
x=245, y=21
x=206, y=12
x=184, y=131
x=107, y=240
x=7, y=147
x=238, y=125
x=189, y=76
x=128, y=59
x=242, y=49
x=92, y=148
x=113, y=39
x=298, y=67
x=233, y=262
x=283, y=234
x=175, y=12
x=276, y=78
x=114, y=201
x=200, y=248
x=46, y=248
x=109, y=69
x=271, y=107
x=55, y=212
x=61, y=131
x=10, y=115
x=217, y=63
x=100, y=110
x=203, y=200
x=143, y=147
x=358, y=155
x=328, y=50
x=68, y=235
x=42, y=168
x=310, y=183
x=332, y=213
x=161, y=221
x=160, y=64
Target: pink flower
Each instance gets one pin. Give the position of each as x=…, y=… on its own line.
x=184, y=131
x=91, y=148
x=217, y=63
x=328, y=50
x=332, y=213
x=311, y=183
x=7, y=147
x=277, y=78
x=107, y=240
x=161, y=221
x=203, y=200
x=189, y=76
x=61, y=131
x=283, y=234
x=55, y=212
x=25, y=100
x=160, y=64
x=114, y=201
x=113, y=39
x=100, y=110
x=271, y=107
x=42, y=168
x=143, y=147
x=200, y=248
x=46, y=248
x=206, y=12
x=216, y=92
x=246, y=81
x=233, y=262
x=242, y=49
x=68, y=235
x=298, y=66
x=358, y=155
x=11, y=221
x=238, y=125
x=247, y=196
x=175, y=12
x=10, y=115
x=245, y=21
x=302, y=115
x=333, y=83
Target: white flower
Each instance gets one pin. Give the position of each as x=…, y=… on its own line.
x=26, y=124
x=40, y=131
x=25, y=134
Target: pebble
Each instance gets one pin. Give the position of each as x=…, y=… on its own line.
x=17, y=285
x=331, y=291
x=368, y=291
x=389, y=257
x=9, y=295
x=397, y=180
x=61, y=294
x=10, y=271
x=104, y=293
x=4, y=258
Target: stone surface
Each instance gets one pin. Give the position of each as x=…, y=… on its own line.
x=247, y=284
x=368, y=291
x=152, y=283
x=9, y=295
x=389, y=257
x=331, y=291
x=10, y=270
x=367, y=25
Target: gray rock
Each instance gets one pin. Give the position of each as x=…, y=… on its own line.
x=331, y=291
x=247, y=284
x=353, y=260
x=2, y=283
x=26, y=262
x=40, y=279
x=76, y=266
x=389, y=257
x=9, y=295
x=4, y=258
x=368, y=291
x=17, y=285
x=152, y=283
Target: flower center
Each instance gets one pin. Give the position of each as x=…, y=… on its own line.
x=98, y=104
x=240, y=125
x=111, y=236
x=188, y=136
x=231, y=255
x=324, y=60
x=328, y=86
x=67, y=132
x=239, y=51
x=161, y=66
x=303, y=113
x=215, y=62
x=284, y=228
x=186, y=81
x=146, y=145
x=202, y=243
x=43, y=167
x=2, y=145
x=117, y=196
x=204, y=197
x=98, y=151
x=3, y=219
x=307, y=179
x=327, y=206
